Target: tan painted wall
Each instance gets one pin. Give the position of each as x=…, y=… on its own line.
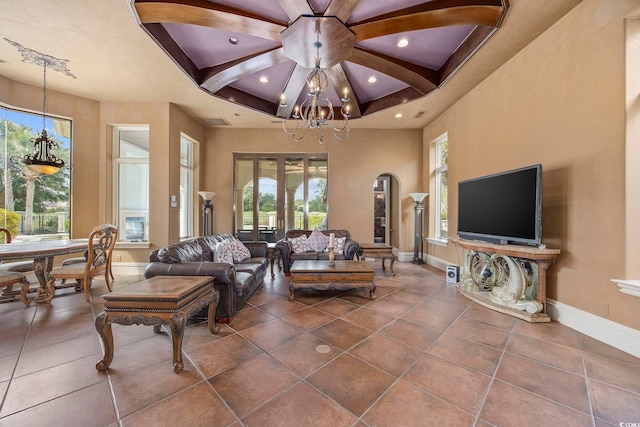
x=354, y=164
x=559, y=102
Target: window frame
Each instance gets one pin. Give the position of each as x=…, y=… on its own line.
x=186, y=199
x=117, y=161
x=438, y=169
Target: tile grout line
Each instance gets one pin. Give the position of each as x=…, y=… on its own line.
x=15, y=366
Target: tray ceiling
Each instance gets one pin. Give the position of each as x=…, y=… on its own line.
x=255, y=52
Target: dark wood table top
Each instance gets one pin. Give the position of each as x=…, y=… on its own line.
x=41, y=249
x=322, y=266
x=159, y=292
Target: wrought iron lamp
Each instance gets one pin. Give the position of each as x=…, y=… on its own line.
x=42, y=160
x=418, y=244
x=316, y=111
x=207, y=212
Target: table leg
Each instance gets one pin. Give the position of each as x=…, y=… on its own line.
x=41, y=268
x=292, y=290
x=177, y=323
x=214, y=328
x=103, y=326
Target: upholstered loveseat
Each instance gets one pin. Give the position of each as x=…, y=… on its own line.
x=235, y=279
x=312, y=245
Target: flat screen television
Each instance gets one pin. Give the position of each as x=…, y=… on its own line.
x=503, y=208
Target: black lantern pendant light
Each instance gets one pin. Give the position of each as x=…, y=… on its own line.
x=42, y=161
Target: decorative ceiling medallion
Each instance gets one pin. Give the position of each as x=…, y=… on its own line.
x=359, y=39
x=31, y=56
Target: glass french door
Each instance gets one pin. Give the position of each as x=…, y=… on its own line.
x=279, y=192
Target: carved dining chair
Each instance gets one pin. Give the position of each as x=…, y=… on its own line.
x=9, y=278
x=101, y=243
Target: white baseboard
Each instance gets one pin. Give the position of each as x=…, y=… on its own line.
x=405, y=256
x=438, y=263
x=129, y=268
x=599, y=328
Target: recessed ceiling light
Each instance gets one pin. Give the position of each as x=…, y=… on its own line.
x=264, y=79
x=398, y=115
x=372, y=79
x=233, y=40
x=403, y=42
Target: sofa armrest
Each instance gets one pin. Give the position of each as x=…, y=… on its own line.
x=257, y=249
x=351, y=248
x=284, y=247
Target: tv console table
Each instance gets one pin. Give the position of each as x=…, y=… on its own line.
x=511, y=279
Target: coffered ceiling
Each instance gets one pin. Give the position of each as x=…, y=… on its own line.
x=231, y=61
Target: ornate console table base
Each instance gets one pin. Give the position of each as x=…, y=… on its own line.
x=195, y=294
x=506, y=278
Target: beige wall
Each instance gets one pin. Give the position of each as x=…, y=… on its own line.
x=354, y=164
x=559, y=102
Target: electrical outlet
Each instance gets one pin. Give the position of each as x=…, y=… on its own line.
x=117, y=258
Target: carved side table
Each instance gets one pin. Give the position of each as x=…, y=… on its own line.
x=160, y=300
x=378, y=250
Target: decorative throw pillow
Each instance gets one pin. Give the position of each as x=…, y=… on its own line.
x=340, y=242
x=223, y=252
x=239, y=251
x=317, y=241
x=299, y=244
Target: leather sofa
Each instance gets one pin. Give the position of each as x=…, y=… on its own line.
x=235, y=281
x=286, y=248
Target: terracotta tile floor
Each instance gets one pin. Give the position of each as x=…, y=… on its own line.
x=419, y=355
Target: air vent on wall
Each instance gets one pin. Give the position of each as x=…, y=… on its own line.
x=215, y=122
x=420, y=114
x=276, y=121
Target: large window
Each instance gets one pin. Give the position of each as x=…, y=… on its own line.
x=186, y=187
x=131, y=186
x=33, y=206
x=441, y=159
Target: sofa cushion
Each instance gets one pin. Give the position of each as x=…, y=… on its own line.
x=317, y=241
x=340, y=242
x=189, y=251
x=299, y=244
x=239, y=251
x=223, y=252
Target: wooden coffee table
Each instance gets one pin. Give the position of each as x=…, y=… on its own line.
x=322, y=276
x=157, y=301
x=378, y=250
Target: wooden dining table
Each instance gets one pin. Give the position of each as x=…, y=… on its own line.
x=42, y=253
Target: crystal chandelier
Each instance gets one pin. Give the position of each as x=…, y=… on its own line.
x=316, y=111
x=42, y=161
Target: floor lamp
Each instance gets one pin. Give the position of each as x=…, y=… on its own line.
x=207, y=212
x=418, y=244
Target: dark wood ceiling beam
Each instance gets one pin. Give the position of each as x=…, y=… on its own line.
x=245, y=99
x=422, y=79
x=478, y=36
x=207, y=14
x=397, y=98
x=341, y=9
x=433, y=14
x=295, y=8
x=340, y=82
x=216, y=77
x=296, y=83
